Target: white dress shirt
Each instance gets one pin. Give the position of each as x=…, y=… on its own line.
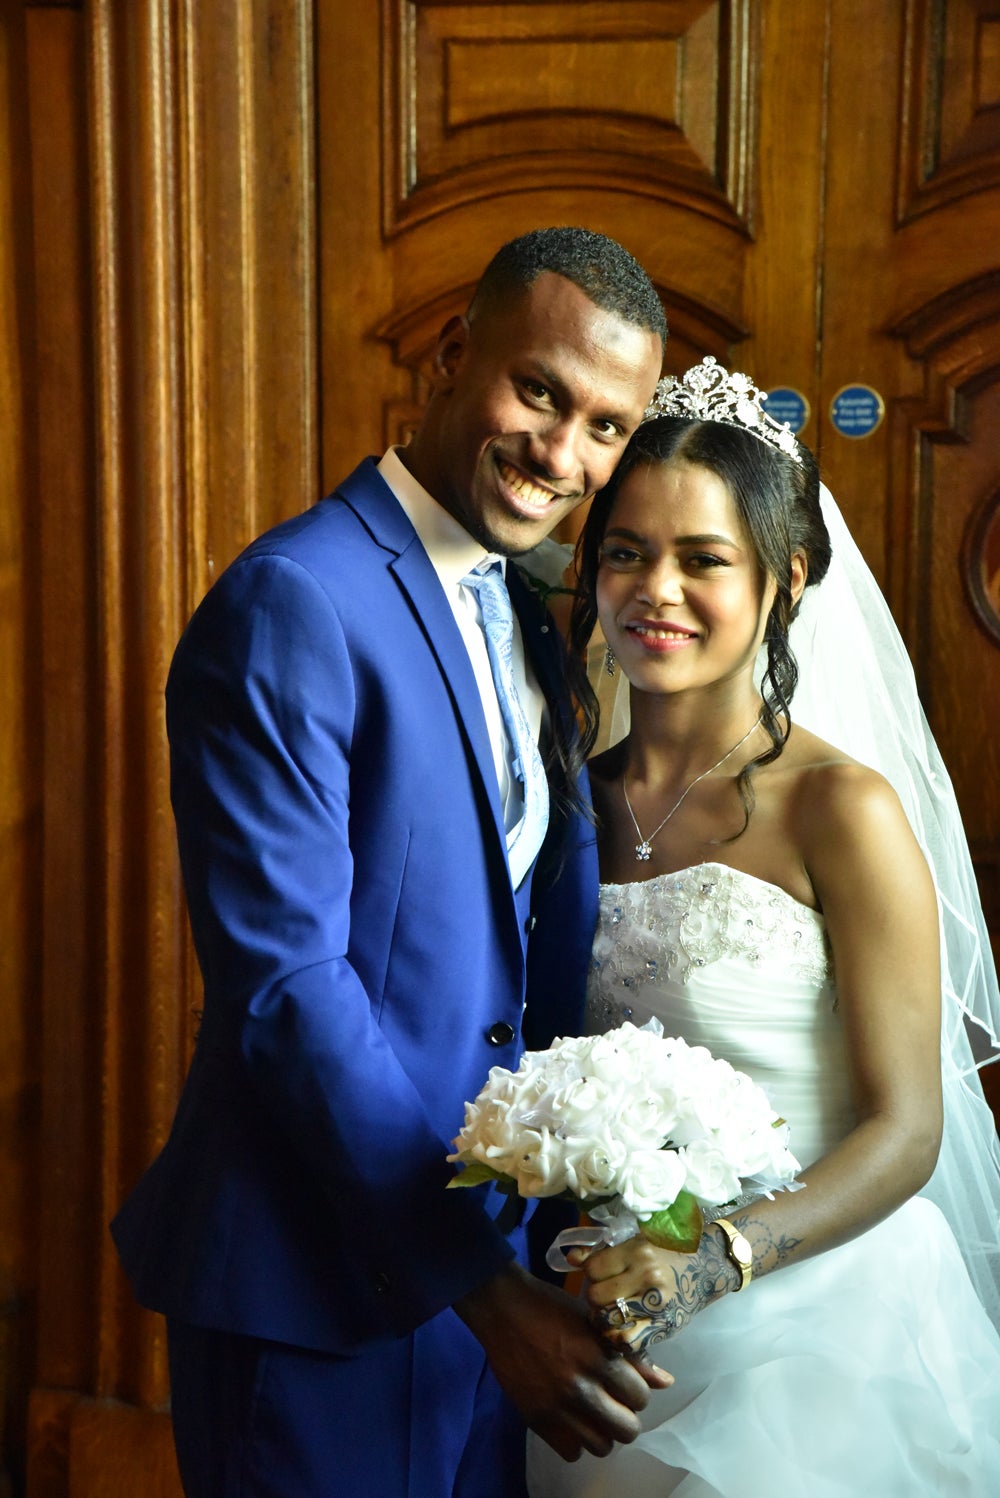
x=453, y=553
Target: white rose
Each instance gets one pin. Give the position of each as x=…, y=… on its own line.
x=693, y=1119
x=540, y=1166
x=649, y=1181
x=707, y=1096
x=708, y=1174
x=500, y=1089
x=611, y=1062
x=570, y=1047
x=578, y=1103
x=648, y=1048
x=592, y=1167
x=483, y=1122
x=644, y=1120
x=529, y=1089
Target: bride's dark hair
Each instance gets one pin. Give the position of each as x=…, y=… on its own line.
x=778, y=503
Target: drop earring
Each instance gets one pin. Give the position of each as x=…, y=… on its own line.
x=609, y=660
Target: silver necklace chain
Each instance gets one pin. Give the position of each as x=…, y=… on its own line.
x=643, y=848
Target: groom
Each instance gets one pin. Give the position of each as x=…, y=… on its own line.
x=362, y=878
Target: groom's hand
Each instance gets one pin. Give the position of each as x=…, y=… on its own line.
x=567, y=1383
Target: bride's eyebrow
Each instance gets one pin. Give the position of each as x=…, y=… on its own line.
x=709, y=539
x=621, y=533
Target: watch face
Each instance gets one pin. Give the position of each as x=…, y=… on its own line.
x=739, y=1250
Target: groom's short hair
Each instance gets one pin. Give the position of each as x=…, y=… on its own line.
x=605, y=271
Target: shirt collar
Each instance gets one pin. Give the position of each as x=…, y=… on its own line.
x=452, y=551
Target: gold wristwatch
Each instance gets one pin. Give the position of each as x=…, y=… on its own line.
x=738, y=1249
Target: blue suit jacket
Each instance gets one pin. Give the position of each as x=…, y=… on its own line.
x=344, y=858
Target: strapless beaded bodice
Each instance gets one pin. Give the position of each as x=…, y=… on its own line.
x=735, y=964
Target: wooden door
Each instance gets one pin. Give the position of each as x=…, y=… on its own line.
x=249, y=221
x=911, y=307
x=647, y=119
x=815, y=190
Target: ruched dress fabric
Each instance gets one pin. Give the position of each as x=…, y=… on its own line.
x=871, y=1369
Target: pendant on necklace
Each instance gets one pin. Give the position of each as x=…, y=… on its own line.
x=642, y=852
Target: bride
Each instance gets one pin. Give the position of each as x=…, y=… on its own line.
x=768, y=895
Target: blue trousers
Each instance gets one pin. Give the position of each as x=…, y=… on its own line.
x=421, y=1417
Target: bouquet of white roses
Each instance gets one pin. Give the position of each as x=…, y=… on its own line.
x=640, y=1129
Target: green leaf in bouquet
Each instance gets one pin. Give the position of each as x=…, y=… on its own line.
x=678, y=1227
x=475, y=1173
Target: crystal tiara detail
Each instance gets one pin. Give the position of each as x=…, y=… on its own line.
x=708, y=393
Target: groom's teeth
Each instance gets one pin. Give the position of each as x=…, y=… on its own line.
x=524, y=488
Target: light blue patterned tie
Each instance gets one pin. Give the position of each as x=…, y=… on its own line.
x=527, y=767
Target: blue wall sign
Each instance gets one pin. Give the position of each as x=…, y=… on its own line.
x=788, y=405
x=856, y=410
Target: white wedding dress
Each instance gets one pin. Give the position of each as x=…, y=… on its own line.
x=869, y=1371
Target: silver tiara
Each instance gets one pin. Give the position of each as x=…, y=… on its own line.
x=708, y=393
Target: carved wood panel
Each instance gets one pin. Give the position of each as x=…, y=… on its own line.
x=640, y=118
x=981, y=563
x=173, y=189
x=951, y=103
x=644, y=98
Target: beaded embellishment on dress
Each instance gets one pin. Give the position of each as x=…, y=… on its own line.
x=675, y=924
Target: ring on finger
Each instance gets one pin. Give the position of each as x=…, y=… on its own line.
x=618, y=1316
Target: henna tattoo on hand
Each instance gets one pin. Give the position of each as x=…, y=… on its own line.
x=658, y=1315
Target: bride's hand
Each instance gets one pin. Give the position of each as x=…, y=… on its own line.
x=640, y=1294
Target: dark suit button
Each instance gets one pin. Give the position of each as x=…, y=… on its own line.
x=501, y=1033
x=530, y=924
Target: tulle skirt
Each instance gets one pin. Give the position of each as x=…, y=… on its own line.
x=871, y=1369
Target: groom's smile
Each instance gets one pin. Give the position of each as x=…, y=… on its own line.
x=527, y=495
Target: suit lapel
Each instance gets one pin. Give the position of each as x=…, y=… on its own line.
x=379, y=511
x=376, y=506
